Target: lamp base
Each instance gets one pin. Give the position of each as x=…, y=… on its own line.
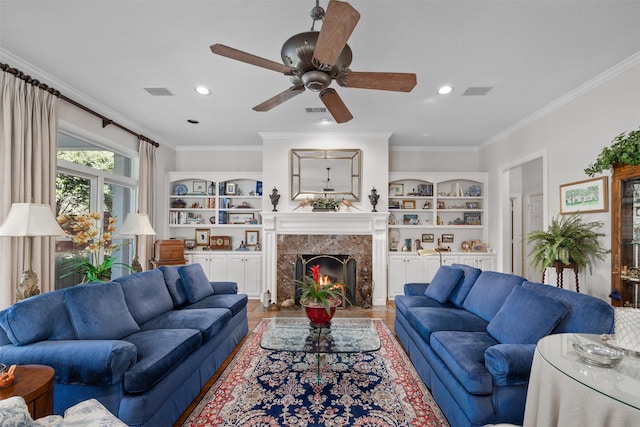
x=28, y=285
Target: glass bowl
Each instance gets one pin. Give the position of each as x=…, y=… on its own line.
x=598, y=355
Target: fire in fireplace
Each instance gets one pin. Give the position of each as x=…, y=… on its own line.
x=340, y=269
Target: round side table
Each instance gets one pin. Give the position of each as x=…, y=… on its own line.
x=35, y=384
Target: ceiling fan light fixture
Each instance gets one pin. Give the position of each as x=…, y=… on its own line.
x=316, y=81
x=445, y=90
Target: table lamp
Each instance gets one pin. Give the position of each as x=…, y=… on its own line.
x=432, y=251
x=137, y=224
x=30, y=220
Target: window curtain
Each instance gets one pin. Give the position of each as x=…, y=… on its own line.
x=146, y=198
x=28, y=144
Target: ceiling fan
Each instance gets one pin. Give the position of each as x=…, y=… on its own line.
x=314, y=58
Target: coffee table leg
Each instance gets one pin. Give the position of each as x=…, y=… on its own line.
x=318, y=365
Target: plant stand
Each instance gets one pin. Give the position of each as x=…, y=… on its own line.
x=560, y=267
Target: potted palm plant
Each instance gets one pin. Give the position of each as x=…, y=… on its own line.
x=320, y=297
x=568, y=240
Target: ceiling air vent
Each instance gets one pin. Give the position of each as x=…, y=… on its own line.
x=477, y=90
x=315, y=110
x=158, y=91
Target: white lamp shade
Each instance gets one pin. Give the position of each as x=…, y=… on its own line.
x=137, y=224
x=30, y=219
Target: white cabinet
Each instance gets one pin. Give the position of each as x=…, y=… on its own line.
x=244, y=268
x=213, y=264
x=404, y=269
x=483, y=262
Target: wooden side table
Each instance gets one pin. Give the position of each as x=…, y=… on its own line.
x=35, y=384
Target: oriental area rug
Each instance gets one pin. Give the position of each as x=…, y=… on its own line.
x=271, y=389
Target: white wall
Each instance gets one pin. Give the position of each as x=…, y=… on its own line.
x=418, y=159
x=573, y=134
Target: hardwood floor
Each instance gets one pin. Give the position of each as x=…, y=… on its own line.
x=255, y=313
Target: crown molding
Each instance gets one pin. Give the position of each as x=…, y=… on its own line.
x=224, y=148
x=437, y=148
x=325, y=135
x=590, y=85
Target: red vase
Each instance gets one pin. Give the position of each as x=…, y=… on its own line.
x=319, y=317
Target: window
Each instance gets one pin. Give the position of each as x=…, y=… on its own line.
x=92, y=178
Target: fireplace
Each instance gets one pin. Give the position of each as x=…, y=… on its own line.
x=340, y=269
x=361, y=235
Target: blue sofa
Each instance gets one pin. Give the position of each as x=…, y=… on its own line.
x=472, y=334
x=143, y=345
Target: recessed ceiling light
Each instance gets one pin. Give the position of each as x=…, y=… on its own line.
x=445, y=90
x=202, y=90
x=193, y=121
x=325, y=121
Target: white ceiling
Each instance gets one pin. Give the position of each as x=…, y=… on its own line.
x=103, y=53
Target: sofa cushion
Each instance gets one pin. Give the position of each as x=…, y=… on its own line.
x=489, y=292
x=427, y=320
x=510, y=364
x=98, y=312
x=39, y=318
x=525, y=317
x=460, y=292
x=445, y=279
x=405, y=302
x=159, y=351
x=174, y=284
x=195, y=283
x=146, y=294
x=232, y=302
x=209, y=321
x=586, y=314
x=463, y=354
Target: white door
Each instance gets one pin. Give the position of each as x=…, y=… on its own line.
x=534, y=222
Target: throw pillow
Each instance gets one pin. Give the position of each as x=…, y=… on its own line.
x=445, y=279
x=525, y=317
x=195, y=283
x=99, y=312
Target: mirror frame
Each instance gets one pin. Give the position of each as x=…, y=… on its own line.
x=327, y=156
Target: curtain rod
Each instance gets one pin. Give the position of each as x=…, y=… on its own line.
x=105, y=121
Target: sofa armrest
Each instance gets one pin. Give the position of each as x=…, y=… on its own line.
x=90, y=362
x=509, y=364
x=415, y=289
x=224, y=287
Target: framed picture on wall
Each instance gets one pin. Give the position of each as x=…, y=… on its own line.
x=251, y=237
x=590, y=195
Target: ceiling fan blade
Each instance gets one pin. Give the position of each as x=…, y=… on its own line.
x=398, y=82
x=336, y=107
x=340, y=20
x=238, y=55
x=279, y=98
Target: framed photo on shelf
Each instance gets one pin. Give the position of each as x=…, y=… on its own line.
x=202, y=236
x=409, y=204
x=472, y=205
x=441, y=205
x=200, y=187
x=394, y=204
x=410, y=219
x=590, y=195
x=241, y=218
x=251, y=237
x=427, y=238
x=447, y=238
x=396, y=190
x=230, y=188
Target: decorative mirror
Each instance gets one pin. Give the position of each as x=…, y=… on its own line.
x=328, y=173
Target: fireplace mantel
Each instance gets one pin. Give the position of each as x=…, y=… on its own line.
x=327, y=223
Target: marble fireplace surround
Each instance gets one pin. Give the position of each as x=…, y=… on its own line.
x=287, y=234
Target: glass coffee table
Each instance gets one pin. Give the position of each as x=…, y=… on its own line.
x=345, y=335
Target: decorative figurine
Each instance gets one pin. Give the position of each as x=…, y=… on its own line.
x=373, y=198
x=366, y=288
x=275, y=198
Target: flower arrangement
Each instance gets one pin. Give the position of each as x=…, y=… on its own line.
x=324, y=203
x=88, y=230
x=319, y=291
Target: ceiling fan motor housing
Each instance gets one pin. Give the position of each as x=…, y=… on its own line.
x=297, y=52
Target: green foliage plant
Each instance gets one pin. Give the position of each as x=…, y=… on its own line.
x=624, y=150
x=567, y=239
x=318, y=292
x=325, y=203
